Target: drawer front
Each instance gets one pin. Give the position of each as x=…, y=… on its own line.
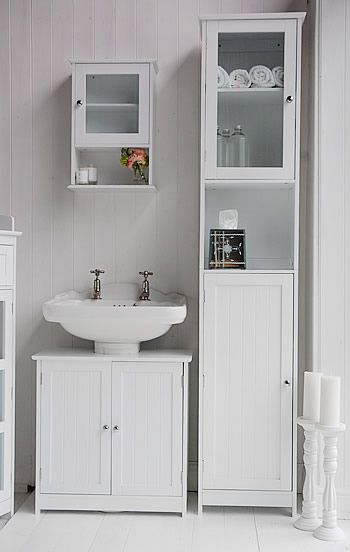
x=6, y=265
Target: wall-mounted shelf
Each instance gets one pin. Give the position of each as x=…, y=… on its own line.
x=113, y=188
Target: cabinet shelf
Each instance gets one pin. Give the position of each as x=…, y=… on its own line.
x=252, y=91
x=112, y=187
x=249, y=184
x=111, y=106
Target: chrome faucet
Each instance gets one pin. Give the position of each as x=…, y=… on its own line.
x=97, y=283
x=145, y=286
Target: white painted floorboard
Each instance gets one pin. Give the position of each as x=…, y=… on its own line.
x=218, y=529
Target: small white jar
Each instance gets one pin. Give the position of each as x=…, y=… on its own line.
x=92, y=174
x=82, y=175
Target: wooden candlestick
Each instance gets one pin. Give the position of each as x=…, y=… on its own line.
x=329, y=530
x=308, y=521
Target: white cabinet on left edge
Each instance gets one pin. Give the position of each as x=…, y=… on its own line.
x=112, y=431
x=8, y=241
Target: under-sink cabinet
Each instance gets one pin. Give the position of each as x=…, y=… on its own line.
x=112, y=431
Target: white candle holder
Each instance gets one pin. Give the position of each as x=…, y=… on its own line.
x=308, y=521
x=329, y=530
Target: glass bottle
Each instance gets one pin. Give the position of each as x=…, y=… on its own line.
x=224, y=148
x=240, y=148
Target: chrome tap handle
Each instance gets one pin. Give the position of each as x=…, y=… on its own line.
x=146, y=273
x=97, y=272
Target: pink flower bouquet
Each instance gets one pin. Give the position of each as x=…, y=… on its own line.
x=136, y=160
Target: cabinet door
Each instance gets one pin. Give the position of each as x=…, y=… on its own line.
x=147, y=446
x=6, y=363
x=248, y=353
x=6, y=265
x=264, y=148
x=113, y=106
x=75, y=446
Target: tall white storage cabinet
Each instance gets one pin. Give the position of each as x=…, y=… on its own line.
x=7, y=364
x=249, y=317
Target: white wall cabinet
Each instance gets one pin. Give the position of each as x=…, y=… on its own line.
x=112, y=108
x=248, y=338
x=112, y=431
x=7, y=367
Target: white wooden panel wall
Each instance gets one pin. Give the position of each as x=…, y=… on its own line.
x=330, y=343
x=65, y=235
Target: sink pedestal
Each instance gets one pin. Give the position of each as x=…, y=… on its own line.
x=110, y=348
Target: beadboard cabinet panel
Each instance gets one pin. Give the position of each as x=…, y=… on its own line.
x=248, y=359
x=147, y=446
x=75, y=446
x=6, y=265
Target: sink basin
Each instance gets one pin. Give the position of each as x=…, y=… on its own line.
x=118, y=322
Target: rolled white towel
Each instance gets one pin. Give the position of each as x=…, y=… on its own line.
x=278, y=75
x=223, y=80
x=261, y=77
x=239, y=78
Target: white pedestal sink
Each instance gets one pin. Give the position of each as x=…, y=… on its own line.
x=118, y=322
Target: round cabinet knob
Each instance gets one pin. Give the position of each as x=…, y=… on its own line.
x=106, y=427
x=287, y=382
x=116, y=428
x=79, y=102
x=289, y=99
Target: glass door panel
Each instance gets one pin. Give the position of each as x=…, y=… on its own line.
x=112, y=104
x=251, y=83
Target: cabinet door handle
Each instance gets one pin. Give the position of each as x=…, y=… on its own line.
x=290, y=99
x=287, y=382
x=116, y=428
x=79, y=102
x=106, y=427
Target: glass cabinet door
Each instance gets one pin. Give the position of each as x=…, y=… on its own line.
x=5, y=391
x=250, y=107
x=112, y=104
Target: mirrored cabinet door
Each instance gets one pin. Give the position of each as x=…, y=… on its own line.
x=250, y=99
x=6, y=335
x=112, y=104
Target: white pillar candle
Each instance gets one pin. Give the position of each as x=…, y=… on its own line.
x=312, y=395
x=330, y=401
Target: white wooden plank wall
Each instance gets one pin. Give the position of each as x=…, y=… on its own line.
x=331, y=198
x=64, y=235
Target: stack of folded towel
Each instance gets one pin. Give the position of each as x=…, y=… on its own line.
x=259, y=76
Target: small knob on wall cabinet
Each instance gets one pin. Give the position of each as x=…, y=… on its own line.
x=287, y=382
x=106, y=427
x=289, y=99
x=116, y=427
x=79, y=102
